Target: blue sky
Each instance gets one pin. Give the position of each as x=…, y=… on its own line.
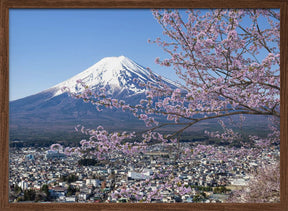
x=48, y=46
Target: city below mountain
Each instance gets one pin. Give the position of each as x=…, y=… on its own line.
x=52, y=114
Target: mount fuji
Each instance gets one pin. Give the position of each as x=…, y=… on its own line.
x=52, y=113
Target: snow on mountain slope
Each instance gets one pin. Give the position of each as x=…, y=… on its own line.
x=116, y=74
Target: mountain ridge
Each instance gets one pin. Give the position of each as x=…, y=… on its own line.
x=45, y=110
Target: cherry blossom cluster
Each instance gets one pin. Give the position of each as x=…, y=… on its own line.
x=104, y=145
x=263, y=186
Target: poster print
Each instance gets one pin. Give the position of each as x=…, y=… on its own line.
x=105, y=149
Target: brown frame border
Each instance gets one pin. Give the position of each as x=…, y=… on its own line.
x=5, y=5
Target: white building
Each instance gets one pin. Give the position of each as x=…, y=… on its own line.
x=71, y=199
x=23, y=185
x=137, y=176
x=94, y=182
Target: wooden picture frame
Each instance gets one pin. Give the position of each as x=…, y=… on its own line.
x=5, y=5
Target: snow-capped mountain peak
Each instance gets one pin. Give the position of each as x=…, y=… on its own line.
x=116, y=74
